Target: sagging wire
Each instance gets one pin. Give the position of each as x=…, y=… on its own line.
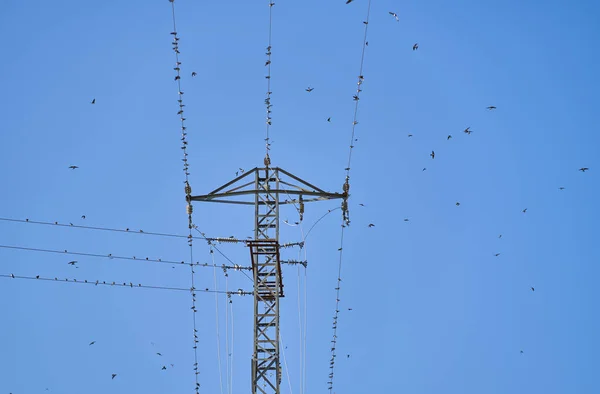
x=111, y=256
x=344, y=207
x=230, y=350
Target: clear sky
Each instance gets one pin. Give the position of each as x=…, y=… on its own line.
x=433, y=309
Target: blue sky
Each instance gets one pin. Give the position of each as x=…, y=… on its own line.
x=433, y=310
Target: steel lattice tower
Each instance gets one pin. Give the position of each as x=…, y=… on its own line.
x=270, y=187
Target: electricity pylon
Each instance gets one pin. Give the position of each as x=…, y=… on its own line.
x=270, y=187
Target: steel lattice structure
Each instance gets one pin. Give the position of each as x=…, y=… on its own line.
x=267, y=188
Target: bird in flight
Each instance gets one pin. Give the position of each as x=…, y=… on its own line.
x=114, y=375
x=361, y=204
x=158, y=354
x=91, y=343
x=406, y=219
x=371, y=225
x=349, y=1
x=457, y=204
x=394, y=15
x=416, y=46
x=194, y=73
x=521, y=352
x=583, y=169
x=309, y=89
x=500, y=236
x=468, y=130
x=83, y=216
x=410, y=135
x=449, y=136
x=561, y=188
x=424, y=168
x=524, y=211
x=75, y=167
x=432, y=154
x=93, y=101
x=491, y=107
x=72, y=262
x=532, y=288
x=164, y=367
x=497, y=254
x=329, y=119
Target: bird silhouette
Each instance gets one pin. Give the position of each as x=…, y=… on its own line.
x=583, y=169
x=416, y=46
x=72, y=262
x=309, y=89
x=371, y=225
x=114, y=375
x=449, y=136
x=164, y=367
x=532, y=288
x=524, y=211
x=194, y=73
x=361, y=204
x=83, y=216
x=468, y=130
x=561, y=188
x=500, y=236
x=406, y=219
x=91, y=343
x=521, y=352
x=349, y=1
x=75, y=167
x=158, y=354
x=497, y=254
x=93, y=101
x=329, y=119
x=432, y=154
x=394, y=15
x=491, y=107
x=410, y=135
x=457, y=204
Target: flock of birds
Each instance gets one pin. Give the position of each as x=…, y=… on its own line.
x=309, y=89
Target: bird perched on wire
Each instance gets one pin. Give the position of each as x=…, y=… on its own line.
x=394, y=15
x=416, y=46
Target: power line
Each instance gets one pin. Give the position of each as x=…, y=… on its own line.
x=126, y=230
x=111, y=256
x=268, y=77
x=346, y=217
x=188, y=189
